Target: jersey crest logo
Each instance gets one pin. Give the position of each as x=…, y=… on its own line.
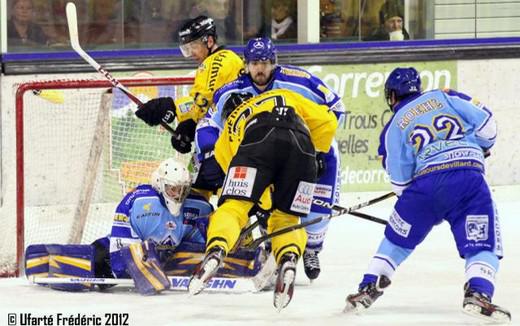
x=477, y=227
x=170, y=225
x=147, y=207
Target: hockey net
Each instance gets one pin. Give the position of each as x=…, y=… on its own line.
x=79, y=150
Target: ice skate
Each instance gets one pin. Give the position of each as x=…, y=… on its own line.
x=479, y=305
x=366, y=296
x=206, y=270
x=284, y=288
x=311, y=264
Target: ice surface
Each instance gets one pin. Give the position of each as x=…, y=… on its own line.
x=426, y=290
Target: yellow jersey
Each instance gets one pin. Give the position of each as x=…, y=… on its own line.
x=319, y=119
x=218, y=69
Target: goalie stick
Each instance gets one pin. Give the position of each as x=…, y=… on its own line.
x=338, y=212
x=178, y=283
x=72, y=22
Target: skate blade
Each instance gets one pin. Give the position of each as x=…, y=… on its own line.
x=497, y=317
x=354, y=307
x=197, y=284
x=282, y=299
x=350, y=308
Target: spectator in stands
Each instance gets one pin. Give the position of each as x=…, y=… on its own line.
x=223, y=13
x=106, y=26
x=283, y=23
x=332, y=23
x=391, y=19
x=21, y=30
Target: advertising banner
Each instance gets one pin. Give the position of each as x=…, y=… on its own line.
x=362, y=90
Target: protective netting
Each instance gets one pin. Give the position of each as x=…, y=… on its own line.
x=83, y=149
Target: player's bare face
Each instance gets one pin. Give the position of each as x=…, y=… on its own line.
x=260, y=71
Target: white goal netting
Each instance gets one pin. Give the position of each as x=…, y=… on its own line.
x=79, y=149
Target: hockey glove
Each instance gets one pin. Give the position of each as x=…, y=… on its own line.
x=261, y=215
x=143, y=265
x=183, y=136
x=211, y=173
x=157, y=110
x=321, y=164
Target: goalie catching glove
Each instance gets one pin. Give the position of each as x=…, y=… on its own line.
x=157, y=110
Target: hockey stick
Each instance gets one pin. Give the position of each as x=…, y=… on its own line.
x=178, y=283
x=369, y=217
x=72, y=22
x=243, y=234
x=338, y=212
x=350, y=211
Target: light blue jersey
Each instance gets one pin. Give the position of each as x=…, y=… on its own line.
x=435, y=131
x=143, y=215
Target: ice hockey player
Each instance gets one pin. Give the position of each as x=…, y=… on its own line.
x=151, y=225
x=264, y=74
x=268, y=139
x=217, y=66
x=433, y=150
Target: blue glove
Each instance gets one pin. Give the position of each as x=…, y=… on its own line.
x=157, y=110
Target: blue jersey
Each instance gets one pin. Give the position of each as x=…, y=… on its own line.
x=433, y=132
x=143, y=215
x=284, y=77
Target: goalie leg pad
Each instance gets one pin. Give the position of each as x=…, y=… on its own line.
x=36, y=261
x=142, y=264
x=71, y=261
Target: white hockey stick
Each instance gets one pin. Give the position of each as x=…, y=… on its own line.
x=72, y=22
x=179, y=283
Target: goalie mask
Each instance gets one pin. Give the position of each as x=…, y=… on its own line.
x=172, y=180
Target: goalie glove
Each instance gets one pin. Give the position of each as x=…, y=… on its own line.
x=157, y=110
x=183, y=136
x=143, y=265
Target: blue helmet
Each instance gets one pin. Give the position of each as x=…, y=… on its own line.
x=260, y=49
x=402, y=82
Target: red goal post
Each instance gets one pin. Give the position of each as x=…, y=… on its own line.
x=79, y=148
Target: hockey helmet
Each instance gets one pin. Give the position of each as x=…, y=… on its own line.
x=173, y=181
x=197, y=28
x=260, y=49
x=402, y=82
x=234, y=101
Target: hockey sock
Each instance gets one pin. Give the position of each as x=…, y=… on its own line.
x=386, y=260
x=480, y=272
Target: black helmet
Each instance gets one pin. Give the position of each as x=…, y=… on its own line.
x=234, y=100
x=197, y=28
